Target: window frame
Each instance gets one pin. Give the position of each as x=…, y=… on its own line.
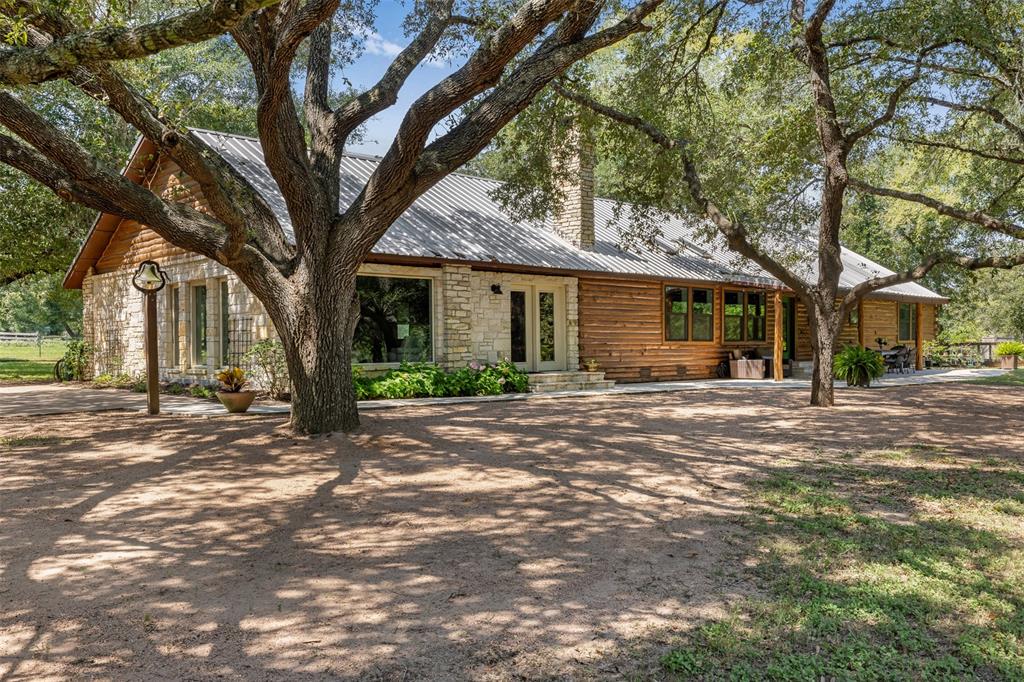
x=690, y=288
x=744, y=294
x=194, y=345
x=435, y=291
x=913, y=322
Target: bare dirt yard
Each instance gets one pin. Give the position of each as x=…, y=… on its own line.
x=568, y=538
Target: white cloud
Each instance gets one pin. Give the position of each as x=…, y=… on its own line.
x=377, y=44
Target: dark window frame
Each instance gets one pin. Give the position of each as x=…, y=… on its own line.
x=665, y=313
x=912, y=307
x=745, y=295
x=431, y=346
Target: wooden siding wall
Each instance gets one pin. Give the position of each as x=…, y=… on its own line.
x=621, y=327
x=881, y=319
x=133, y=243
x=849, y=336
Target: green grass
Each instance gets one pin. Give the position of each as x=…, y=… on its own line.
x=905, y=565
x=1012, y=378
x=29, y=362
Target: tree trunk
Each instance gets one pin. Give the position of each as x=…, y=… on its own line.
x=317, y=338
x=823, y=344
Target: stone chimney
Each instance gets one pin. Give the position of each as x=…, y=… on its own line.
x=574, y=171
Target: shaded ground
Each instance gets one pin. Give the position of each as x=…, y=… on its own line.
x=478, y=541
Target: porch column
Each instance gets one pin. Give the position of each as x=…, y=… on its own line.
x=860, y=324
x=919, y=334
x=777, y=346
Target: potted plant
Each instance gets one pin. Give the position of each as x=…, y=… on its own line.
x=858, y=366
x=590, y=364
x=1010, y=353
x=231, y=394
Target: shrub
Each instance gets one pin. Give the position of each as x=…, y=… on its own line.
x=118, y=381
x=200, y=391
x=1007, y=348
x=75, y=360
x=857, y=366
x=269, y=367
x=426, y=380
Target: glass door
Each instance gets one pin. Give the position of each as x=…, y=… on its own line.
x=548, y=356
x=520, y=328
x=537, y=328
x=788, y=328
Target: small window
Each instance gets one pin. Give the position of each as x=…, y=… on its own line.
x=756, y=318
x=225, y=325
x=853, y=318
x=394, y=320
x=199, y=325
x=908, y=322
x=733, y=316
x=703, y=315
x=677, y=313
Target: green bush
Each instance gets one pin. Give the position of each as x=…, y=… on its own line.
x=857, y=366
x=200, y=391
x=269, y=367
x=1007, y=348
x=75, y=361
x=426, y=380
x=117, y=381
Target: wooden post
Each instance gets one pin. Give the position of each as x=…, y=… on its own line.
x=918, y=344
x=152, y=362
x=777, y=347
x=860, y=324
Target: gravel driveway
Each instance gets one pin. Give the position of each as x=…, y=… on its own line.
x=479, y=541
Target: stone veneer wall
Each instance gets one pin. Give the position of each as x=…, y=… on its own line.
x=491, y=327
x=470, y=322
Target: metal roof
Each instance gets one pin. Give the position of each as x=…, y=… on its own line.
x=457, y=219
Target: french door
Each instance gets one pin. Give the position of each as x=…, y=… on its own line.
x=537, y=327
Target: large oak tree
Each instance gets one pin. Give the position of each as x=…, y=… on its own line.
x=762, y=118
x=510, y=52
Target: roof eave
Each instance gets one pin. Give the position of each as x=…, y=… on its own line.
x=96, y=240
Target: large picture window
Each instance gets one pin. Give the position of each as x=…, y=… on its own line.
x=908, y=322
x=744, y=316
x=689, y=314
x=394, y=324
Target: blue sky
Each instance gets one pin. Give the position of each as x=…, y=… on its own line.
x=381, y=48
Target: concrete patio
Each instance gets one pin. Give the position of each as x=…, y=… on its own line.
x=43, y=399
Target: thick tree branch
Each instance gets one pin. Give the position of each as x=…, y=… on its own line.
x=734, y=231
x=27, y=65
x=979, y=218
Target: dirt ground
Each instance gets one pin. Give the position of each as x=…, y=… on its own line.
x=484, y=541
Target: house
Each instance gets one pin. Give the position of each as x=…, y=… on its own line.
x=456, y=280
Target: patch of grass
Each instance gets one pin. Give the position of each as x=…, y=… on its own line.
x=29, y=362
x=880, y=567
x=10, y=442
x=1012, y=378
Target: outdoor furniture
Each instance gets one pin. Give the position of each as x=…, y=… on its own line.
x=897, y=359
x=747, y=368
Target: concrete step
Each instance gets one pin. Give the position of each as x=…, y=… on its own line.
x=560, y=377
x=553, y=386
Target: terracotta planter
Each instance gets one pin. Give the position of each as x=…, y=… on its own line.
x=591, y=366
x=1009, y=362
x=237, y=402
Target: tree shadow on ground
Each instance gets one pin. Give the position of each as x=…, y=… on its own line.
x=492, y=540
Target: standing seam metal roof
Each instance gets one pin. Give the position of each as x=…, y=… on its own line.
x=457, y=219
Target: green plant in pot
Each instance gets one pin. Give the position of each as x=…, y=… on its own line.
x=1010, y=353
x=857, y=366
x=232, y=394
